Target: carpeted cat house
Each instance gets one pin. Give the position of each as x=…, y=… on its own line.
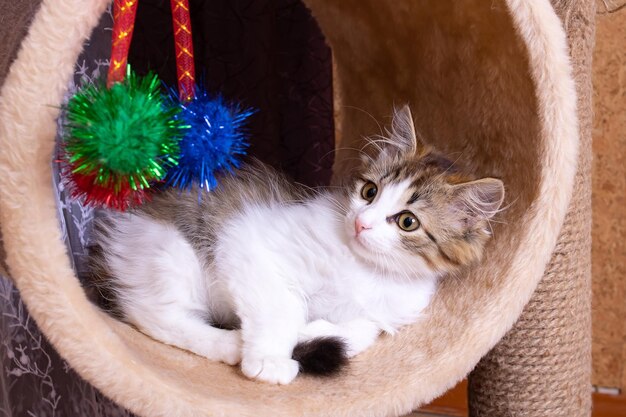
x=504, y=84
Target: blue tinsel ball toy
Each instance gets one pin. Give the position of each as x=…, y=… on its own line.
x=214, y=141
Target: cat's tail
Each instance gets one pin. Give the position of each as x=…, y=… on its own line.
x=322, y=356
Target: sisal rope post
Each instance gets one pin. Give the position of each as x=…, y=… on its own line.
x=542, y=367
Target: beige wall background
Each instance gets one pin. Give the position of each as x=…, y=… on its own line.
x=609, y=197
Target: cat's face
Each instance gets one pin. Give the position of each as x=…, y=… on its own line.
x=412, y=211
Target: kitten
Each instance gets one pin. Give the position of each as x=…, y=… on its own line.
x=276, y=277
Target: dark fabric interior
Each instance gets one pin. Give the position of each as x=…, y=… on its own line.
x=267, y=54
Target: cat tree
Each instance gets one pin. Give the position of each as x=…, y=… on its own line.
x=494, y=82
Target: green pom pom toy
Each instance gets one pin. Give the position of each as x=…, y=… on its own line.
x=122, y=138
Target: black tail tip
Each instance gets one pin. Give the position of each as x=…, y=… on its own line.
x=324, y=356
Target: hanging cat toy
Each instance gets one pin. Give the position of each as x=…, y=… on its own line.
x=127, y=138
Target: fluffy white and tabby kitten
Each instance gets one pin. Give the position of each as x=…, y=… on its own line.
x=279, y=278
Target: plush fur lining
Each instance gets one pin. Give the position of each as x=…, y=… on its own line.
x=472, y=93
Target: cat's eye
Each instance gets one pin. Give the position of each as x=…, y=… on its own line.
x=369, y=191
x=407, y=221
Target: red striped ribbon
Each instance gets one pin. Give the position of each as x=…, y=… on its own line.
x=124, y=12
x=183, y=40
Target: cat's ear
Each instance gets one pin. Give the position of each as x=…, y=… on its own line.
x=478, y=200
x=403, y=133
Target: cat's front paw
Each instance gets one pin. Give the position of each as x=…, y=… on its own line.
x=359, y=342
x=229, y=348
x=272, y=369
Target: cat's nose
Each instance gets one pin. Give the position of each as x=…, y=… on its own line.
x=359, y=226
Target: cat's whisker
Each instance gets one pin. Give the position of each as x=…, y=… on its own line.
x=360, y=151
x=368, y=141
x=351, y=148
x=380, y=128
x=385, y=140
